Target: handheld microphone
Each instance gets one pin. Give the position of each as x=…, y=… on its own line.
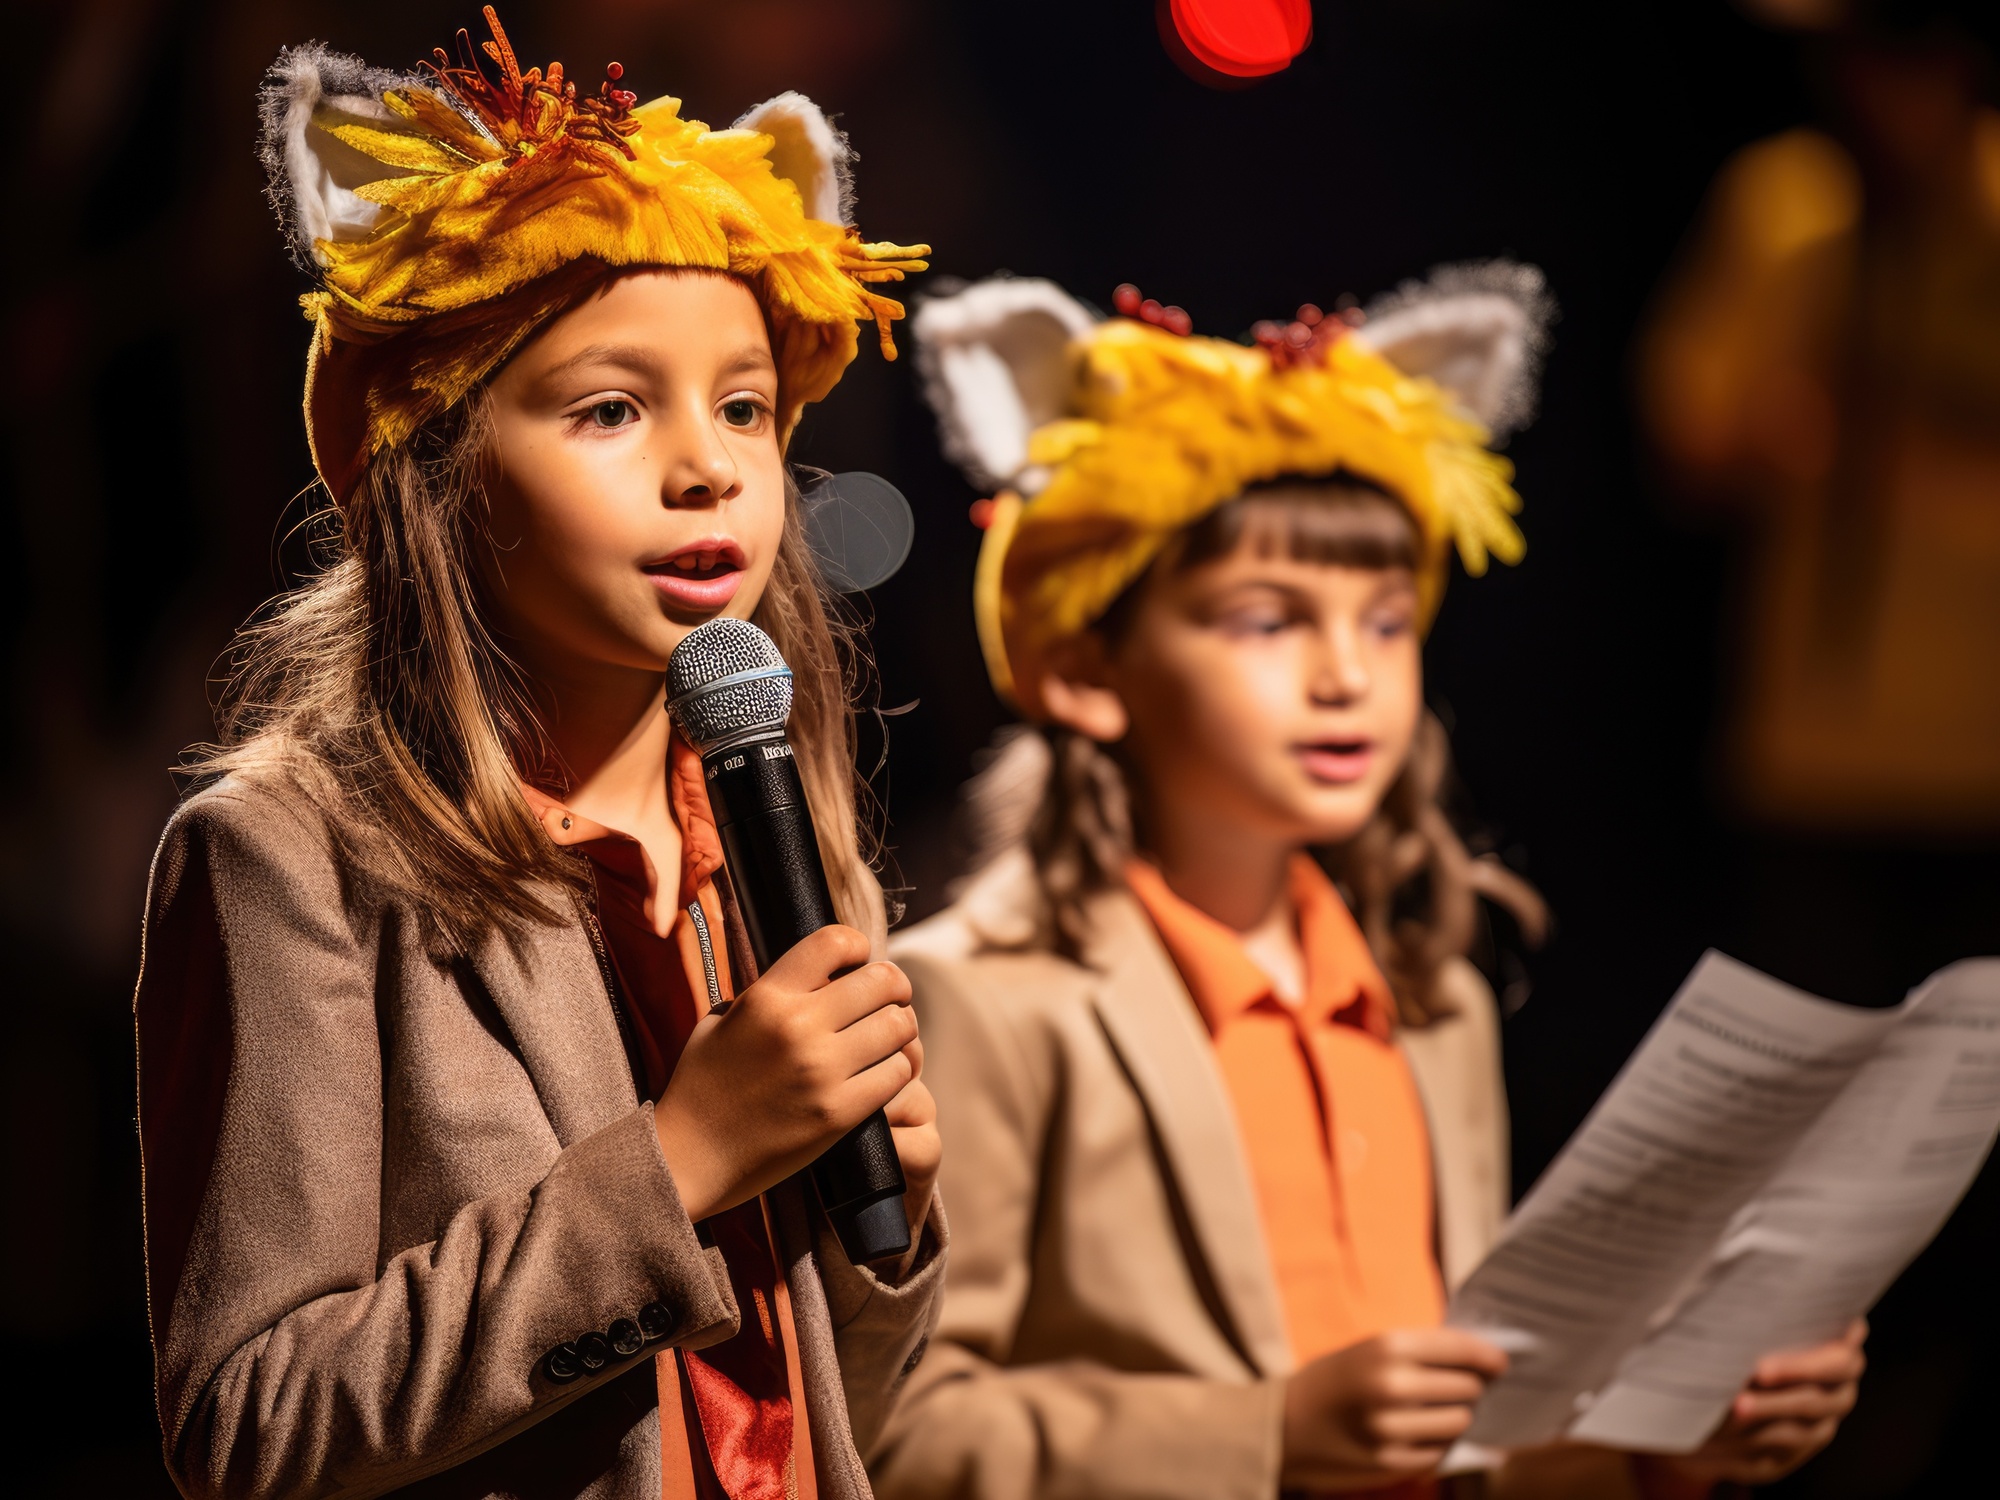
x=730, y=693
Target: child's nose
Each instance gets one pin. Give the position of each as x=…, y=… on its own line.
x=701, y=472
x=1339, y=670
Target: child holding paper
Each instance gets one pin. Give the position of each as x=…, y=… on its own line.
x=1218, y=1141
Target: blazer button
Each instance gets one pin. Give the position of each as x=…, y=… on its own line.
x=656, y=1321
x=625, y=1338
x=562, y=1364
x=593, y=1351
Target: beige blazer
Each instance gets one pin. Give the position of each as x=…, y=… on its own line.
x=1112, y=1326
x=383, y=1183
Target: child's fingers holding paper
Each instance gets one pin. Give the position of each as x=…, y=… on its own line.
x=1769, y=1433
x=1419, y=1426
x=1808, y=1401
x=1447, y=1348
x=1764, y=1453
x=1831, y=1363
x=1411, y=1384
x=1389, y=1405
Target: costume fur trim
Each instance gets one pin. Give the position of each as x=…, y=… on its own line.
x=810, y=153
x=1481, y=330
x=311, y=174
x=994, y=358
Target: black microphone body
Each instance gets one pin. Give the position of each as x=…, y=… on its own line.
x=773, y=859
x=768, y=839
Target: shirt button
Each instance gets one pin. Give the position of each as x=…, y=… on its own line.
x=625, y=1338
x=561, y=1364
x=567, y=822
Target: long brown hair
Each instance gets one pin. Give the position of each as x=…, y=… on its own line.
x=378, y=689
x=1413, y=885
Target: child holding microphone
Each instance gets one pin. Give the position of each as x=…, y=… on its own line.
x=469, y=1168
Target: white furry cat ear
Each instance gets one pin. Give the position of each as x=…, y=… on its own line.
x=1479, y=330
x=810, y=154
x=313, y=174
x=995, y=364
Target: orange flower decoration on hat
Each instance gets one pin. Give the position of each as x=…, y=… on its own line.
x=448, y=214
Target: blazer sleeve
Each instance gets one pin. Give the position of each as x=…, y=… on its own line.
x=971, y=1421
x=883, y=1322
x=292, y=1358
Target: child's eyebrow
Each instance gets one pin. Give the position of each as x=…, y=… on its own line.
x=631, y=357
x=637, y=359
x=1244, y=589
x=749, y=357
x=1395, y=581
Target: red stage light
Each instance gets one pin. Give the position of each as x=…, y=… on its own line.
x=1243, y=38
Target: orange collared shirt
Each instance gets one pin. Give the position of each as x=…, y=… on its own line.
x=743, y=1398
x=1329, y=1114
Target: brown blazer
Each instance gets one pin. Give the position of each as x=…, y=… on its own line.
x=1112, y=1326
x=382, y=1183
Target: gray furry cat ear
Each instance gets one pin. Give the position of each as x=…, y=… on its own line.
x=809, y=153
x=313, y=174
x=1480, y=330
x=995, y=363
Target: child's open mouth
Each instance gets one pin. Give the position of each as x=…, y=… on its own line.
x=1337, y=761
x=703, y=575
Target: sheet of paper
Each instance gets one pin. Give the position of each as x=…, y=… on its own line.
x=1869, y=1186
x=1696, y=1198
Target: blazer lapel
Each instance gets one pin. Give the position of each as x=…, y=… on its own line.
x=1151, y=1021
x=550, y=993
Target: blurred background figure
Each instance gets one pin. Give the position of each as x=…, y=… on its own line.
x=1825, y=365
x=1823, y=370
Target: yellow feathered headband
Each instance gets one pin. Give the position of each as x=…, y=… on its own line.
x=447, y=215
x=1104, y=438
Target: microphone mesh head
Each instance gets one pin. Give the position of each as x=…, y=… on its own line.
x=707, y=706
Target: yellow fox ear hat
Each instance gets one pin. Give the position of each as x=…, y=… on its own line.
x=1104, y=437
x=447, y=214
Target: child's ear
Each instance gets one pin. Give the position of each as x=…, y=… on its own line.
x=1077, y=691
x=809, y=153
x=1479, y=330
x=995, y=364
x=309, y=93
x=1087, y=707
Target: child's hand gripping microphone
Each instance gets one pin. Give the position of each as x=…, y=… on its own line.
x=730, y=693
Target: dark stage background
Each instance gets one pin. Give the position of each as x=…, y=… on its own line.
x=151, y=354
